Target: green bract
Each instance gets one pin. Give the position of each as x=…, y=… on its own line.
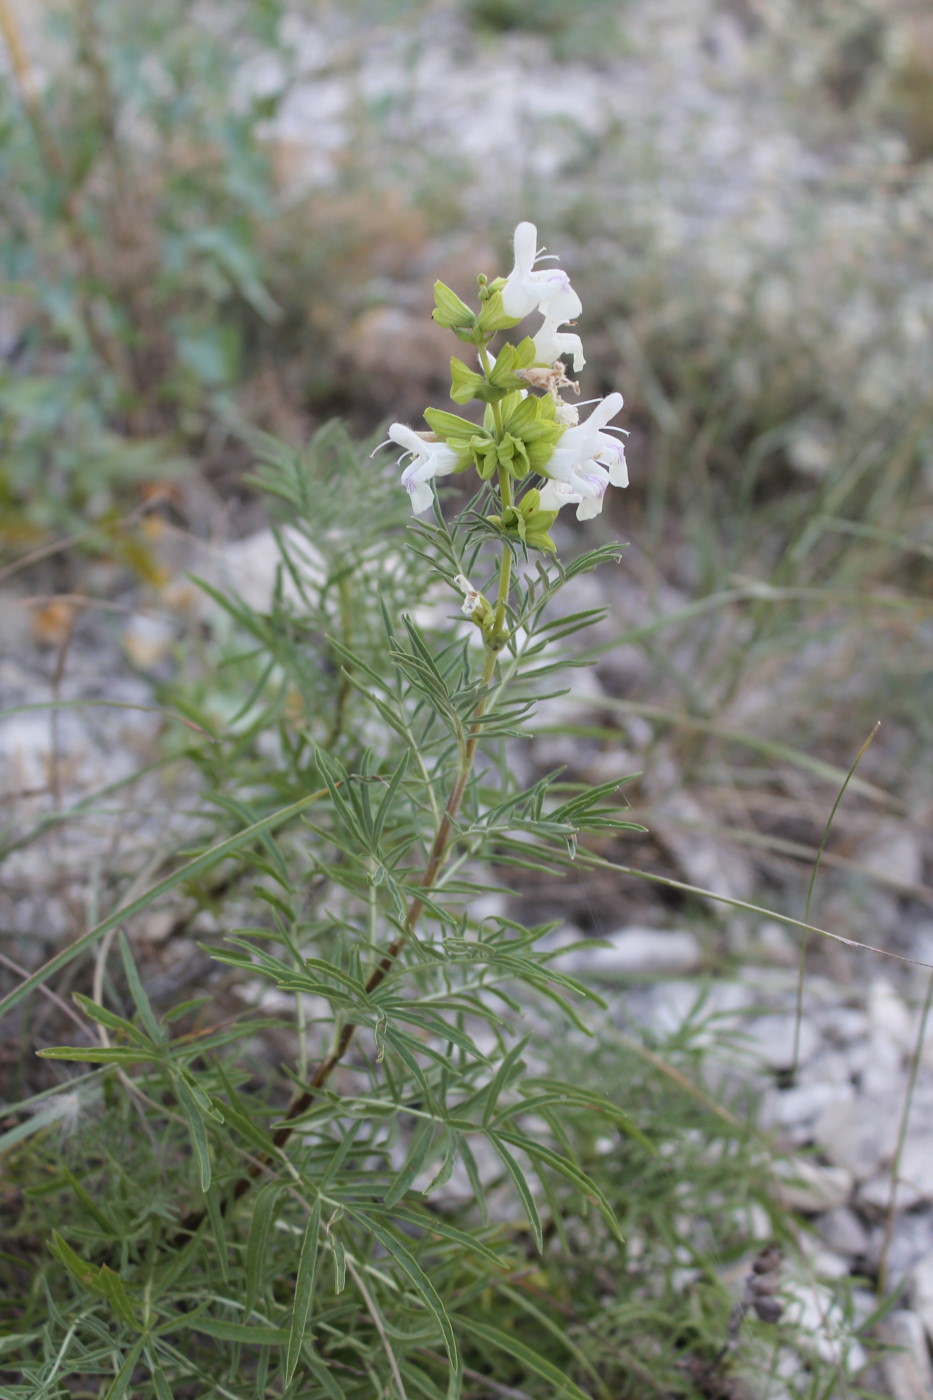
x=525, y=521
x=453, y=312
x=466, y=384
x=529, y=434
x=531, y=420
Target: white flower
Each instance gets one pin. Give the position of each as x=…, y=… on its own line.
x=428, y=459
x=551, y=343
x=548, y=290
x=585, y=462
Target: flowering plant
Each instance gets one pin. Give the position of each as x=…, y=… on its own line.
x=373, y=794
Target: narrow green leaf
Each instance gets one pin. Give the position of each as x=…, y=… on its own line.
x=570, y=1171
x=504, y=1341
x=420, y=1282
x=114, y=1290
x=404, y=1046
x=162, y=1388
x=304, y=1290
x=558, y=1330
x=260, y=1225
x=234, y=1114
x=192, y=1112
x=193, y=867
x=219, y=1231
x=472, y=1171
x=88, y=1202
x=88, y=1275
x=340, y=1265
x=125, y=1373
x=521, y=1185
x=446, y=1169
x=325, y=1377
x=434, y=1224
x=385, y=806
x=103, y=1017
x=236, y=1331
x=138, y=992
x=420, y=1144
x=95, y=1055
x=511, y=1065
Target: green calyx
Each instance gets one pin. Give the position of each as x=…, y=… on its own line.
x=458, y=433
x=466, y=384
x=527, y=522
x=452, y=313
x=509, y=452
x=532, y=421
x=484, y=617
x=492, y=317
x=524, y=444
x=475, y=328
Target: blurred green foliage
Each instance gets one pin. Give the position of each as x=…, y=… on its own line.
x=130, y=249
x=573, y=31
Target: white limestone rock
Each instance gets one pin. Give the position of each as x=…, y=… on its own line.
x=793, y=1112
x=809, y=1186
x=821, y=1324
x=639, y=952
x=920, y=1280
x=772, y=1038
x=843, y=1231
x=858, y=1134
x=906, y=1368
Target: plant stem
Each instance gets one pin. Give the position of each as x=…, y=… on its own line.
x=499, y=633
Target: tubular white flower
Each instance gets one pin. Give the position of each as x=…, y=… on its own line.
x=588, y=443
x=428, y=459
x=585, y=462
x=548, y=290
x=551, y=343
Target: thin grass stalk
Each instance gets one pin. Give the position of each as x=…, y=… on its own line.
x=804, y=940
x=902, y=1137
